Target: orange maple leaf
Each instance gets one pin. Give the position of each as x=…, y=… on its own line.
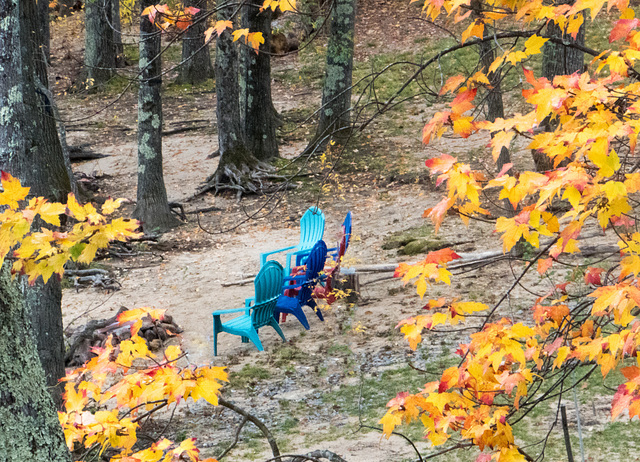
x=462, y=102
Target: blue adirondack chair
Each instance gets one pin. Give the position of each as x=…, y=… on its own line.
x=257, y=312
x=311, y=231
x=337, y=252
x=304, y=285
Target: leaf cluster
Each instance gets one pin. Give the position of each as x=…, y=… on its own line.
x=107, y=399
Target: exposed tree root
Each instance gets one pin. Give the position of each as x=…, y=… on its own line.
x=242, y=180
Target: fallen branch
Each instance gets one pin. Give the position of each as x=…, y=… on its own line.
x=176, y=131
x=257, y=422
x=236, y=438
x=85, y=272
x=319, y=454
x=204, y=210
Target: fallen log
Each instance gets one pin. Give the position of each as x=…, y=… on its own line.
x=466, y=260
x=85, y=272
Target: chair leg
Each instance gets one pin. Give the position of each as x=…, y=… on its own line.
x=312, y=303
x=217, y=327
x=276, y=326
x=253, y=336
x=301, y=317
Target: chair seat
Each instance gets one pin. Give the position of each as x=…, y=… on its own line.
x=268, y=286
x=287, y=302
x=239, y=323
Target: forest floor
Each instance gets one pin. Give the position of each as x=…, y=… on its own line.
x=323, y=387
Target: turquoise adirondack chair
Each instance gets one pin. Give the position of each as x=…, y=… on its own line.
x=258, y=310
x=303, y=286
x=311, y=231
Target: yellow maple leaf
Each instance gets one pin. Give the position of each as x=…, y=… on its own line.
x=111, y=206
x=534, y=44
x=12, y=191
x=476, y=29
x=238, y=34
x=255, y=39
x=219, y=27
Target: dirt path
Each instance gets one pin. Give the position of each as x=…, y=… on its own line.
x=315, y=390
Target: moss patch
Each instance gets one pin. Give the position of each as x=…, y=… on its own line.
x=414, y=241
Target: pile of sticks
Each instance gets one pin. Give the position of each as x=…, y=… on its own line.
x=97, y=332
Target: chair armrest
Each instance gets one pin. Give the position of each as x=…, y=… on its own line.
x=299, y=277
x=297, y=253
x=263, y=256
x=233, y=310
x=249, y=301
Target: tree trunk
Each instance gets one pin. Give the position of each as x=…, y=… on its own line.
x=495, y=107
x=30, y=429
x=237, y=167
x=45, y=29
x=259, y=115
x=197, y=65
x=152, y=207
x=41, y=37
x=336, y=94
x=31, y=151
x=100, y=52
x=558, y=60
x=117, y=33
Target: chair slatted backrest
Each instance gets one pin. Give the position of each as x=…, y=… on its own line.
x=311, y=228
x=346, y=226
x=315, y=264
x=268, y=287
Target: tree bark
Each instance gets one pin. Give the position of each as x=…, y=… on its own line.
x=336, y=94
x=117, y=33
x=100, y=52
x=45, y=29
x=31, y=151
x=260, y=121
x=197, y=65
x=237, y=165
x=558, y=60
x=495, y=106
x=152, y=207
x=30, y=429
